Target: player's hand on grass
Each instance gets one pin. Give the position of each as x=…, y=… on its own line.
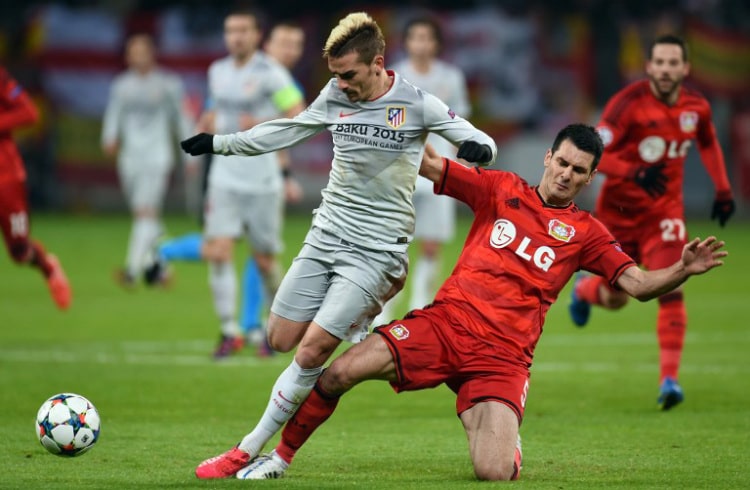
x=701, y=256
x=199, y=144
x=723, y=208
x=474, y=152
x=651, y=179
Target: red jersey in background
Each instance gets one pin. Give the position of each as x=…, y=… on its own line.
x=638, y=129
x=16, y=109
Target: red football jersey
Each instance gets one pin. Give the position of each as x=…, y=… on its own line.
x=16, y=109
x=518, y=255
x=639, y=129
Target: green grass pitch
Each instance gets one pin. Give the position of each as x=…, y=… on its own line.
x=143, y=357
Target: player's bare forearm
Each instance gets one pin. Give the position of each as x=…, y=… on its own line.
x=697, y=258
x=431, y=167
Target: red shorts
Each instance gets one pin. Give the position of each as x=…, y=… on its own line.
x=654, y=240
x=14, y=217
x=429, y=349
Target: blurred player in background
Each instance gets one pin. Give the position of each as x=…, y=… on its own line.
x=285, y=44
x=647, y=129
x=478, y=336
x=355, y=255
x=16, y=110
x=245, y=193
x=143, y=116
x=436, y=215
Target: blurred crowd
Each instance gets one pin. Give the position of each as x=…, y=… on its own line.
x=531, y=67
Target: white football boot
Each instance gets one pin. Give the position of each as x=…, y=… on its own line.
x=264, y=467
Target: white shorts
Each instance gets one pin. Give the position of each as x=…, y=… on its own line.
x=435, y=217
x=144, y=188
x=229, y=212
x=339, y=285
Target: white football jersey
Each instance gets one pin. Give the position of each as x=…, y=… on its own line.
x=143, y=114
x=447, y=83
x=378, y=147
x=248, y=89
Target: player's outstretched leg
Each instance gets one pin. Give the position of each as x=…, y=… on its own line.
x=58, y=284
x=579, y=309
x=184, y=248
x=670, y=394
x=224, y=465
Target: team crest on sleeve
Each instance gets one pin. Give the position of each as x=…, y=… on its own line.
x=605, y=134
x=560, y=231
x=688, y=121
x=395, y=116
x=399, y=332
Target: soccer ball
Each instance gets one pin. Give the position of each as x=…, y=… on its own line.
x=67, y=424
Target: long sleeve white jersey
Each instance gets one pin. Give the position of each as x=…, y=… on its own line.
x=262, y=89
x=143, y=115
x=447, y=83
x=378, y=147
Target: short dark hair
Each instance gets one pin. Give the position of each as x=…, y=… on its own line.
x=437, y=32
x=584, y=137
x=669, y=39
x=256, y=15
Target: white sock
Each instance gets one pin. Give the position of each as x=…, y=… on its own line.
x=143, y=234
x=223, y=281
x=291, y=389
x=422, y=292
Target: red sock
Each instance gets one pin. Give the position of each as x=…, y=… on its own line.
x=587, y=289
x=671, y=324
x=309, y=416
x=39, y=258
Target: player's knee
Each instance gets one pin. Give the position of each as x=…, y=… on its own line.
x=614, y=300
x=20, y=252
x=266, y=263
x=217, y=250
x=280, y=342
x=491, y=471
x=337, y=378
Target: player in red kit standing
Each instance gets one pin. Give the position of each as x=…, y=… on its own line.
x=17, y=109
x=647, y=129
x=478, y=336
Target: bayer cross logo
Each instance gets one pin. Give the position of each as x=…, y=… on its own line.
x=503, y=233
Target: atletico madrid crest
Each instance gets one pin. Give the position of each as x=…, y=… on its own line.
x=395, y=116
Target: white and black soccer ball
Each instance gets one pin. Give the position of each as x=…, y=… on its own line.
x=67, y=424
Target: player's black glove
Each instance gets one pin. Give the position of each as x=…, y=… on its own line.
x=199, y=144
x=723, y=208
x=474, y=152
x=652, y=179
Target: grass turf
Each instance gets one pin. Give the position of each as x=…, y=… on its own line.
x=143, y=357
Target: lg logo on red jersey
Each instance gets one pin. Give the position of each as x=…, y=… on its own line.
x=653, y=149
x=504, y=234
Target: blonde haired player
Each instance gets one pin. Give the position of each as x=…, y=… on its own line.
x=355, y=255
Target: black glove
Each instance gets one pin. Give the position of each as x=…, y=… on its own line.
x=474, y=152
x=199, y=144
x=652, y=179
x=723, y=208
